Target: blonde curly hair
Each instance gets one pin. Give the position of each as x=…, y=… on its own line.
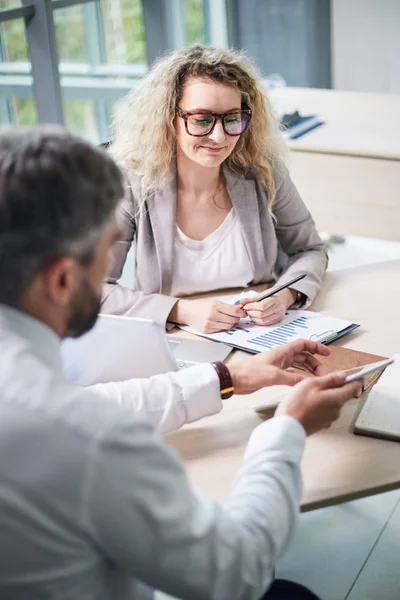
x=144, y=137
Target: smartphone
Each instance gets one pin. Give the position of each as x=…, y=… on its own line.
x=360, y=372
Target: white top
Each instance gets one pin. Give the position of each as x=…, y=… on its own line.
x=94, y=506
x=219, y=261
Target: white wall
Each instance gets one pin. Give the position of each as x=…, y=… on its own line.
x=366, y=45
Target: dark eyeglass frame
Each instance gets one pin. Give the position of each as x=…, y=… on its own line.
x=216, y=117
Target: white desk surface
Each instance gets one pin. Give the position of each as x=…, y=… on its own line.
x=357, y=123
x=337, y=466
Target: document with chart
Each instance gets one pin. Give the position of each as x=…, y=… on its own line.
x=297, y=324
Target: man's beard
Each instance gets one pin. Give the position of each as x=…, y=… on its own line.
x=84, y=310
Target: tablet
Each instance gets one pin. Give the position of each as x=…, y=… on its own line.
x=360, y=372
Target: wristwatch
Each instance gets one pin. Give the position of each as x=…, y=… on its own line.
x=299, y=301
x=225, y=380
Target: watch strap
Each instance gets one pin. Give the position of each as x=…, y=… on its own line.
x=225, y=380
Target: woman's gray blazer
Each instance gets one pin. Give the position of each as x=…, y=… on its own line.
x=280, y=247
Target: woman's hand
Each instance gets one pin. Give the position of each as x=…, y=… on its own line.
x=275, y=367
x=206, y=315
x=271, y=310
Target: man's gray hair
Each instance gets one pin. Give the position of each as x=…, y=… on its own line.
x=57, y=195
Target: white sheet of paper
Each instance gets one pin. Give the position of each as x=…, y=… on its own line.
x=297, y=324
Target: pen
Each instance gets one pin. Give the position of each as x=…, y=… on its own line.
x=276, y=290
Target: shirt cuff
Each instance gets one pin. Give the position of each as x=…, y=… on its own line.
x=283, y=433
x=200, y=390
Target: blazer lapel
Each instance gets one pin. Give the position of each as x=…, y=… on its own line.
x=243, y=193
x=162, y=214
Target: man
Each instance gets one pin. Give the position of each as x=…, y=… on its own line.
x=92, y=506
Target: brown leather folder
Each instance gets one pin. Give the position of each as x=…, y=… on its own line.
x=341, y=359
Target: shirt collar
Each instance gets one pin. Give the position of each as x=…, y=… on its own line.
x=44, y=342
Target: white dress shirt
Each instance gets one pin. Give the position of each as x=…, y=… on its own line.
x=219, y=261
x=94, y=507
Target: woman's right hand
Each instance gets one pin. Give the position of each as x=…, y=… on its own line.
x=206, y=314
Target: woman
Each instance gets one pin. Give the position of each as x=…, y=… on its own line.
x=209, y=202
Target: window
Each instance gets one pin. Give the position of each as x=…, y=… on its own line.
x=123, y=27
x=6, y=4
x=70, y=34
x=80, y=118
x=13, y=48
x=23, y=111
x=13, y=41
x=194, y=21
x=102, y=53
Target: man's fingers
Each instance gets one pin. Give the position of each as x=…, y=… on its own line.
x=327, y=382
x=288, y=378
x=302, y=345
x=307, y=361
x=320, y=370
x=343, y=393
x=333, y=386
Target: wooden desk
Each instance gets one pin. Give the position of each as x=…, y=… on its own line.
x=337, y=466
x=348, y=170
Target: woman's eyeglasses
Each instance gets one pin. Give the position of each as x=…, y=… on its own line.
x=202, y=123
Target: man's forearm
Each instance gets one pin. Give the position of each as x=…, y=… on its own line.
x=169, y=400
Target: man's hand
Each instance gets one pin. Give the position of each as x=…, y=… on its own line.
x=317, y=402
x=300, y=354
x=275, y=367
x=206, y=315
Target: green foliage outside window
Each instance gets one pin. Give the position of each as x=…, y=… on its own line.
x=194, y=21
x=123, y=31
x=124, y=43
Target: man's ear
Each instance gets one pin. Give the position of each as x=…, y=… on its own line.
x=60, y=279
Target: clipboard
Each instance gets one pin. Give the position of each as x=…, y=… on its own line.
x=297, y=324
x=325, y=339
x=329, y=337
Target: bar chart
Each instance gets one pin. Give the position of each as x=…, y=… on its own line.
x=282, y=334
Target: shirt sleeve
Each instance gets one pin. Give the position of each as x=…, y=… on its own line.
x=170, y=400
x=298, y=238
x=145, y=517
